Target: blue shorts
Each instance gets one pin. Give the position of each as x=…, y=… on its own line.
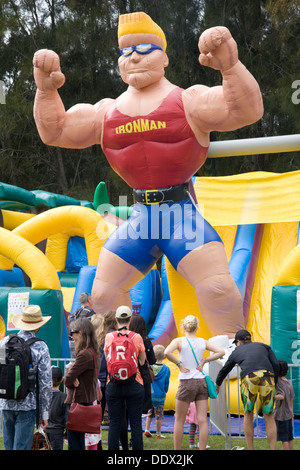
x=174, y=229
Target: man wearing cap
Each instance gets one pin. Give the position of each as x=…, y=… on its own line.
x=120, y=396
x=19, y=416
x=259, y=375
x=155, y=135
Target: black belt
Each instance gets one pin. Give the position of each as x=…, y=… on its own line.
x=162, y=195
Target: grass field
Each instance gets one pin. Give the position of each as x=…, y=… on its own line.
x=214, y=442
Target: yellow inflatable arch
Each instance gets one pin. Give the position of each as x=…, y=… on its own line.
x=11, y=219
x=28, y=257
x=65, y=220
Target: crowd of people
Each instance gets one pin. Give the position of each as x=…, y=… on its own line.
x=96, y=375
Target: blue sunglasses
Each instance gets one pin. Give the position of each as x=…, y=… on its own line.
x=140, y=48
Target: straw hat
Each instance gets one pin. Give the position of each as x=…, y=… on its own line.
x=30, y=319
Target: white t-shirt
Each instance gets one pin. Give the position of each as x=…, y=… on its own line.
x=187, y=357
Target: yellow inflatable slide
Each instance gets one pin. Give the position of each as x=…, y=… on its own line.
x=264, y=205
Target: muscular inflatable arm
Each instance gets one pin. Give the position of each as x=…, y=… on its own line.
x=80, y=126
x=237, y=102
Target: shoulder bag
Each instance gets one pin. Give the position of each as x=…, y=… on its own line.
x=211, y=386
x=83, y=418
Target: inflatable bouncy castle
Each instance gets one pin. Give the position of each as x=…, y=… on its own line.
x=156, y=136
x=259, y=228
x=258, y=221
x=54, y=275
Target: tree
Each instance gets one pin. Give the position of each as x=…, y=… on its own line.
x=84, y=34
x=266, y=33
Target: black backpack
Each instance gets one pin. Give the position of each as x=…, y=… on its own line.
x=17, y=376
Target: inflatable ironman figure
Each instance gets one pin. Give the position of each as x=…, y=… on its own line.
x=155, y=135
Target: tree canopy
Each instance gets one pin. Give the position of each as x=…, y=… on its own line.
x=84, y=34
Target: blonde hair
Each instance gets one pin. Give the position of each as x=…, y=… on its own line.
x=190, y=324
x=109, y=324
x=159, y=351
x=97, y=320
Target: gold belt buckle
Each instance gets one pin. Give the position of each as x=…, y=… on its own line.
x=146, y=196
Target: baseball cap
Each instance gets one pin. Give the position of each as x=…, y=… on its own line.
x=123, y=312
x=242, y=335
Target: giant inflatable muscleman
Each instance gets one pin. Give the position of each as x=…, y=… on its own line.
x=155, y=136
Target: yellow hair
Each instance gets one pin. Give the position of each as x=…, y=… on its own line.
x=139, y=23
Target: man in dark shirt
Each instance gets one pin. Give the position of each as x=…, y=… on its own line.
x=85, y=309
x=259, y=374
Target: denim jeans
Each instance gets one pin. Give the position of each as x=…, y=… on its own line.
x=119, y=396
x=76, y=440
x=56, y=440
x=18, y=429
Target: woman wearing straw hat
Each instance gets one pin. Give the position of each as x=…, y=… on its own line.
x=19, y=416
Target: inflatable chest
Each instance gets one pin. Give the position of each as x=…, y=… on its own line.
x=153, y=151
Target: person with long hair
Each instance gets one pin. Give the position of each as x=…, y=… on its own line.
x=82, y=377
x=192, y=384
x=137, y=324
x=108, y=325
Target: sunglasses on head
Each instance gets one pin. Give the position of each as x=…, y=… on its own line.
x=140, y=48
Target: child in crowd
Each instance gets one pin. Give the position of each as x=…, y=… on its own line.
x=284, y=408
x=58, y=412
x=191, y=418
x=93, y=441
x=159, y=388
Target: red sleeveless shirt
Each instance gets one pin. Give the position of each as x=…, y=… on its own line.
x=153, y=151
